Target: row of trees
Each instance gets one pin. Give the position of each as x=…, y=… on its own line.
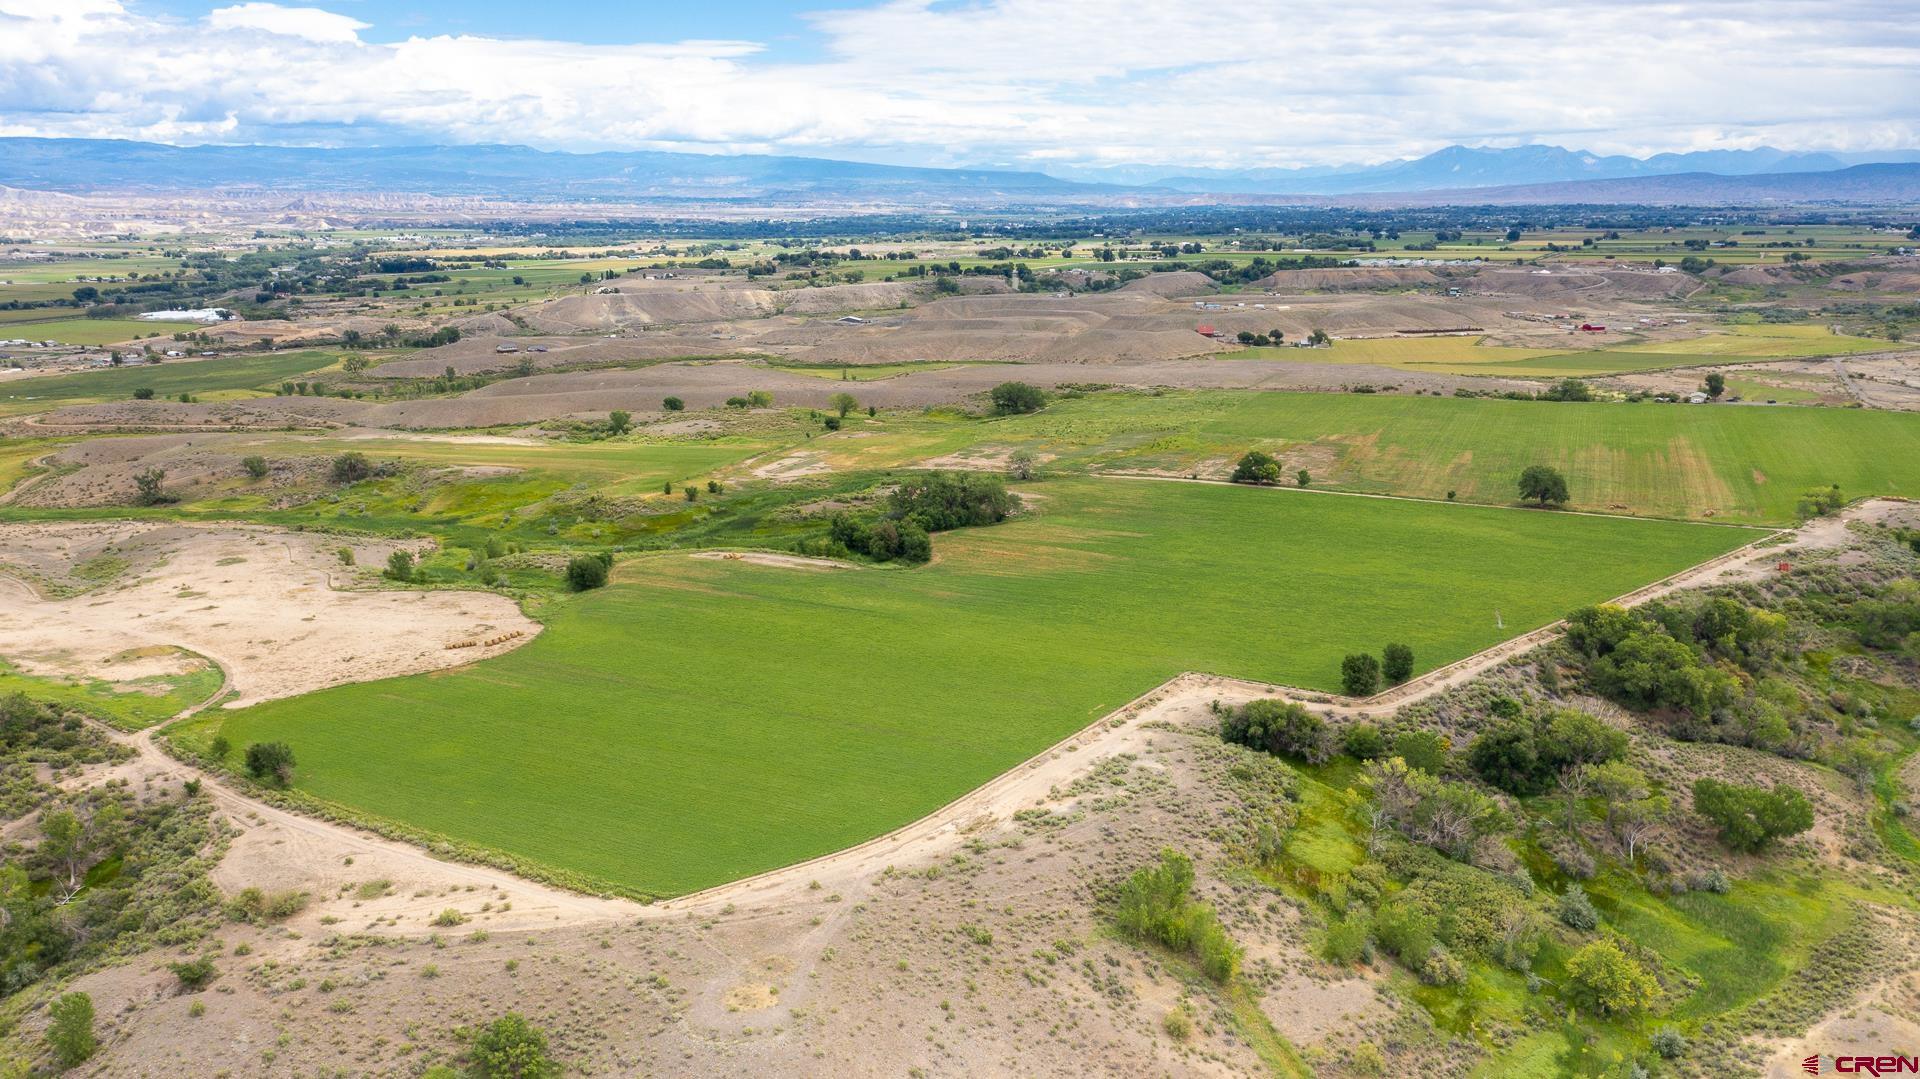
x=1361, y=675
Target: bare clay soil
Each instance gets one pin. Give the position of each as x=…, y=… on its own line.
x=278, y=611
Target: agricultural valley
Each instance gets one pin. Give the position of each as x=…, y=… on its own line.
x=1170, y=640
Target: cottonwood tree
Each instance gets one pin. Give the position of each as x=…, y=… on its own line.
x=73, y=838
x=1360, y=675
x=1632, y=811
x=1543, y=484
x=1396, y=662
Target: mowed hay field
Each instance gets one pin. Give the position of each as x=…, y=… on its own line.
x=1728, y=462
x=702, y=720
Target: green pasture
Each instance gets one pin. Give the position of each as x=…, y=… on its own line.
x=1772, y=388
x=129, y=703
x=246, y=371
x=1468, y=356
x=702, y=720
x=1764, y=342
x=1731, y=463
x=98, y=331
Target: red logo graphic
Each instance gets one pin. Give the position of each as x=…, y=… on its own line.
x=1879, y=1065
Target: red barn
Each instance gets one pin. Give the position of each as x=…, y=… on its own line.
x=1206, y=331
x=1591, y=328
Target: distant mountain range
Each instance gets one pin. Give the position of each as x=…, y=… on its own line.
x=1456, y=174
x=510, y=172
x=1458, y=167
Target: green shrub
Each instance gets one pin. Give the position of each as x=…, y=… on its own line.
x=351, y=467
x=1363, y=741
x=1407, y=933
x=1280, y=727
x=512, y=1048
x=1576, y=910
x=1345, y=942
x=255, y=465
x=1178, y=1025
x=672, y=404
x=259, y=907
x=1424, y=750
x=400, y=566
x=1010, y=398
x=589, y=571
x=194, y=974
x=1669, y=1043
x=1441, y=967
x=270, y=762
x=1154, y=904
x=148, y=491
x=1751, y=818
x=70, y=1029
x=1604, y=977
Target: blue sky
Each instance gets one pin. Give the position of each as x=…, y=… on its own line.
x=599, y=22
x=1059, y=85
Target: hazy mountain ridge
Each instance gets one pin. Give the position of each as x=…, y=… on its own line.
x=1461, y=167
x=81, y=165
x=1457, y=175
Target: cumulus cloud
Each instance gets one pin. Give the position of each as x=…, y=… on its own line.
x=1176, y=82
x=311, y=23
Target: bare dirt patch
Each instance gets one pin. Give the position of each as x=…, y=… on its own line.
x=781, y=561
x=268, y=606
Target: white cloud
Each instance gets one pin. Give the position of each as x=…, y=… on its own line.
x=1179, y=82
x=310, y=23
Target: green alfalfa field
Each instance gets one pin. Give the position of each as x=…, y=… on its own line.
x=704, y=719
x=1750, y=464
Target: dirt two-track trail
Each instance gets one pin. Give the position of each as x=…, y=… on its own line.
x=279, y=848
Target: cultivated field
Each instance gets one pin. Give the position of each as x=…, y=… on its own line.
x=167, y=379
x=762, y=715
x=98, y=331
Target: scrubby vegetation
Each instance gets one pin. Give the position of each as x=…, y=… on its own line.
x=917, y=507
x=1155, y=904
x=1544, y=868
x=101, y=871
